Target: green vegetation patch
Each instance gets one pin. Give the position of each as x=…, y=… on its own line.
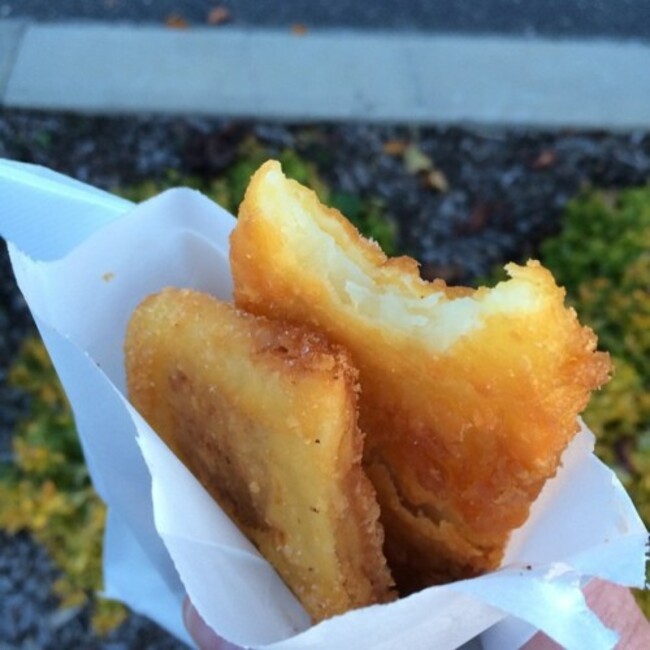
x=602, y=257
x=47, y=490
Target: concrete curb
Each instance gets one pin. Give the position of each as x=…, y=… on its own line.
x=326, y=75
x=11, y=34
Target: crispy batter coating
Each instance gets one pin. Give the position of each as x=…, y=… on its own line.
x=468, y=396
x=264, y=414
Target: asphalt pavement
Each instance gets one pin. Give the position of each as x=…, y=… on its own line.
x=495, y=63
x=623, y=19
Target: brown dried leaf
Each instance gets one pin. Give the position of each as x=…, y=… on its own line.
x=176, y=21
x=478, y=219
x=298, y=29
x=482, y=214
x=395, y=147
x=218, y=15
x=545, y=159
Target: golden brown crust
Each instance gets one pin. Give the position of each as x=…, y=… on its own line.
x=264, y=414
x=468, y=397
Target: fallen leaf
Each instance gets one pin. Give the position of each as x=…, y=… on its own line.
x=482, y=214
x=218, y=15
x=415, y=160
x=477, y=220
x=176, y=21
x=298, y=29
x=545, y=159
x=436, y=180
x=395, y=147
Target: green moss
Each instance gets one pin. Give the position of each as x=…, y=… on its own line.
x=602, y=257
x=47, y=490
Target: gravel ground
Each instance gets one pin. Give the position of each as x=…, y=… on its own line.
x=479, y=199
x=30, y=617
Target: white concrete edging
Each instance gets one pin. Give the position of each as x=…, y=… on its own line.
x=330, y=75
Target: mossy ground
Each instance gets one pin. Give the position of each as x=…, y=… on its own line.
x=47, y=490
x=602, y=257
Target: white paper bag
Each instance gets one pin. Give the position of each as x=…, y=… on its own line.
x=84, y=259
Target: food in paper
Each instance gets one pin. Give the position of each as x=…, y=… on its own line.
x=468, y=397
x=265, y=416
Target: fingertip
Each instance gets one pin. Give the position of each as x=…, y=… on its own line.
x=204, y=637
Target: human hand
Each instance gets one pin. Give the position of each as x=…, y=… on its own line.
x=203, y=636
x=616, y=608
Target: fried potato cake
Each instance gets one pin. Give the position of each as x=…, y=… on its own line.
x=264, y=414
x=468, y=397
